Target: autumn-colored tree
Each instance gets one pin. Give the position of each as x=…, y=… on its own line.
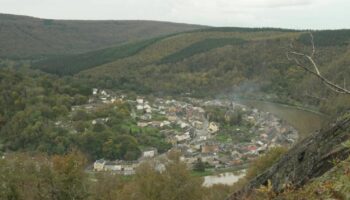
x=71, y=179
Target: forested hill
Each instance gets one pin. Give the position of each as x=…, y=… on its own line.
x=22, y=36
x=218, y=61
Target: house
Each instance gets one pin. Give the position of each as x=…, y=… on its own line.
x=139, y=101
x=100, y=121
x=252, y=149
x=139, y=107
x=165, y=123
x=203, y=137
x=184, y=125
x=264, y=136
x=236, y=155
x=128, y=168
x=142, y=124
x=156, y=124
x=197, y=124
x=172, y=118
x=112, y=166
x=113, y=99
x=94, y=91
x=149, y=153
x=189, y=160
x=183, y=137
x=99, y=165
x=209, y=148
x=213, y=127
x=172, y=109
x=210, y=158
x=103, y=92
x=251, y=119
x=147, y=108
x=118, y=166
x=146, y=117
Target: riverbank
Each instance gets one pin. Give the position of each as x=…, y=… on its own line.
x=289, y=105
x=305, y=120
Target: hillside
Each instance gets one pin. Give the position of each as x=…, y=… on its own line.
x=218, y=61
x=315, y=163
x=22, y=36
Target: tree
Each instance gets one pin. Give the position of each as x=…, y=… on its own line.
x=199, y=166
x=307, y=62
x=71, y=179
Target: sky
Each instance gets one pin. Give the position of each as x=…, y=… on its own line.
x=295, y=14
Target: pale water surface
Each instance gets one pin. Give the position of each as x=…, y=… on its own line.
x=224, y=178
x=306, y=122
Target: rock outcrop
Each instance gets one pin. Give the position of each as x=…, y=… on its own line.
x=308, y=159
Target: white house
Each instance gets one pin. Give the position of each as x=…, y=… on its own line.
x=99, y=165
x=113, y=166
x=142, y=124
x=213, y=127
x=184, y=125
x=164, y=123
x=139, y=101
x=147, y=108
x=94, y=91
x=183, y=137
x=197, y=124
x=139, y=107
x=149, y=153
x=103, y=92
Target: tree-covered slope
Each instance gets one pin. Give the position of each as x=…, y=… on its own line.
x=218, y=61
x=22, y=36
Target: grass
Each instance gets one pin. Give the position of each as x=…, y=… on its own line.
x=222, y=137
x=201, y=174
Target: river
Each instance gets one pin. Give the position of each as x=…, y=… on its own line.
x=306, y=122
x=227, y=178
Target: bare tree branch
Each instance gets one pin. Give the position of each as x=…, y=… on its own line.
x=298, y=57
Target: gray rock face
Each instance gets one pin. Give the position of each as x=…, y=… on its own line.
x=308, y=159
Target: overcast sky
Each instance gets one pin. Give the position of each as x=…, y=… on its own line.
x=301, y=14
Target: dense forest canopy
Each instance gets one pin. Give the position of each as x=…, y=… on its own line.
x=34, y=105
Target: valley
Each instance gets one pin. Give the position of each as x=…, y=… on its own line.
x=148, y=110
x=212, y=135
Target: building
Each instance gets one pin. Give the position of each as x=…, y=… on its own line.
x=113, y=166
x=142, y=124
x=94, y=91
x=149, y=153
x=213, y=127
x=139, y=101
x=209, y=148
x=183, y=137
x=99, y=165
x=197, y=124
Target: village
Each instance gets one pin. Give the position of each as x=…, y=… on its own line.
x=189, y=130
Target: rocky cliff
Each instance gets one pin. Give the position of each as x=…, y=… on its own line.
x=308, y=159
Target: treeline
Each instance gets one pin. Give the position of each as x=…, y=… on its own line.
x=327, y=38
x=73, y=64
x=27, y=176
x=201, y=46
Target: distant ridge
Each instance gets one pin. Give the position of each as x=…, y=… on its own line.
x=23, y=36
